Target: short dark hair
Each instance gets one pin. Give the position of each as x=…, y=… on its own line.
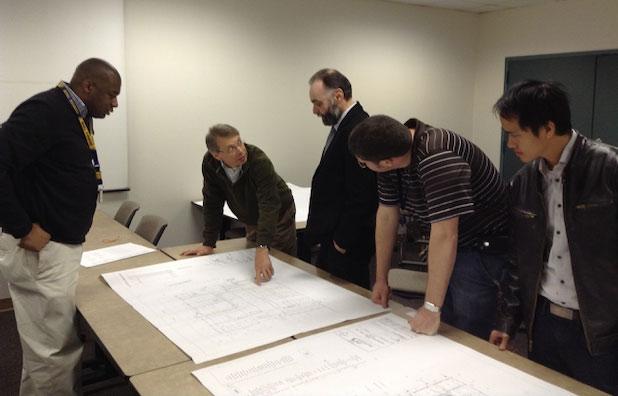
x=379, y=137
x=95, y=69
x=219, y=130
x=535, y=103
x=333, y=79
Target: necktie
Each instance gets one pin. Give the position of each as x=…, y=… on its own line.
x=329, y=140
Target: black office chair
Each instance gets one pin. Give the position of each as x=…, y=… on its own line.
x=151, y=228
x=126, y=212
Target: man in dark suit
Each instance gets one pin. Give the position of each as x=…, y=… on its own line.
x=343, y=195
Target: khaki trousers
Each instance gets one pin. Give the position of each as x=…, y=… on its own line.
x=42, y=286
x=285, y=233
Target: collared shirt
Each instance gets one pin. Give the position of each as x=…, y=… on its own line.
x=232, y=173
x=558, y=284
x=336, y=126
x=81, y=106
x=333, y=130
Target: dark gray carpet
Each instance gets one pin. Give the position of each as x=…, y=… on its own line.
x=10, y=355
x=10, y=365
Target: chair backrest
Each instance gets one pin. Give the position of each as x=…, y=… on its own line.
x=151, y=228
x=409, y=273
x=407, y=280
x=125, y=213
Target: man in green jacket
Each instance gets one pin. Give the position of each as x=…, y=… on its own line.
x=242, y=175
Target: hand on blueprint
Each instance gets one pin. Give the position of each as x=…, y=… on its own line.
x=500, y=339
x=425, y=322
x=263, y=267
x=198, y=251
x=36, y=239
x=380, y=293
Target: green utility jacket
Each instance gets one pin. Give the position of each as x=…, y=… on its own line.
x=258, y=198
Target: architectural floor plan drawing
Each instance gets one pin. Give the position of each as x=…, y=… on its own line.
x=378, y=356
x=210, y=306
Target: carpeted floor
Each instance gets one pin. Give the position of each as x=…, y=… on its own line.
x=10, y=355
x=10, y=365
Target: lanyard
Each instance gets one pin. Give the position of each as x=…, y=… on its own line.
x=87, y=134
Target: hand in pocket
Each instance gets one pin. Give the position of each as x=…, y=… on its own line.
x=36, y=239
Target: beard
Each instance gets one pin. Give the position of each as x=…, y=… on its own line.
x=332, y=115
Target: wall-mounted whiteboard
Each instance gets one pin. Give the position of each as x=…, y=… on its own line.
x=41, y=43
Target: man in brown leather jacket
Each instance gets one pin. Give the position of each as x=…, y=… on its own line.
x=565, y=236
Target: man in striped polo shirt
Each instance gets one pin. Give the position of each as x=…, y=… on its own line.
x=452, y=191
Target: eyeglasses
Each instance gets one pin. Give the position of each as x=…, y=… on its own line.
x=233, y=148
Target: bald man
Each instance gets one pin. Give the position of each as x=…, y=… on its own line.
x=49, y=178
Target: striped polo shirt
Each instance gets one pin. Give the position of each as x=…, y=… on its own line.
x=448, y=177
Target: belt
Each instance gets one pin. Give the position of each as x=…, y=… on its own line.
x=492, y=244
x=563, y=312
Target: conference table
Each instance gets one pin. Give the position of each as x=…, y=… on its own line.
x=156, y=366
x=171, y=379
x=132, y=342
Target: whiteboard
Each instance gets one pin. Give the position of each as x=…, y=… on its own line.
x=41, y=43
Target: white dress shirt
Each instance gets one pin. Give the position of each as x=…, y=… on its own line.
x=558, y=285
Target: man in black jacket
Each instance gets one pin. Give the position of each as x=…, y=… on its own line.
x=343, y=196
x=565, y=236
x=49, y=177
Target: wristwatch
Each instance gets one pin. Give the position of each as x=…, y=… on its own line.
x=431, y=307
x=263, y=247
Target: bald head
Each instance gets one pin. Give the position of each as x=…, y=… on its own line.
x=94, y=69
x=97, y=83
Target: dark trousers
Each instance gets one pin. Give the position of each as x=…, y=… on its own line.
x=472, y=296
x=352, y=266
x=560, y=344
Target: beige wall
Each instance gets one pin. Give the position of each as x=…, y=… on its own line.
x=194, y=63
x=564, y=26
x=41, y=42
x=40, y=45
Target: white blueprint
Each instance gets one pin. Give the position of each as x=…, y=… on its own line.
x=301, y=201
x=379, y=356
x=210, y=306
x=109, y=254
